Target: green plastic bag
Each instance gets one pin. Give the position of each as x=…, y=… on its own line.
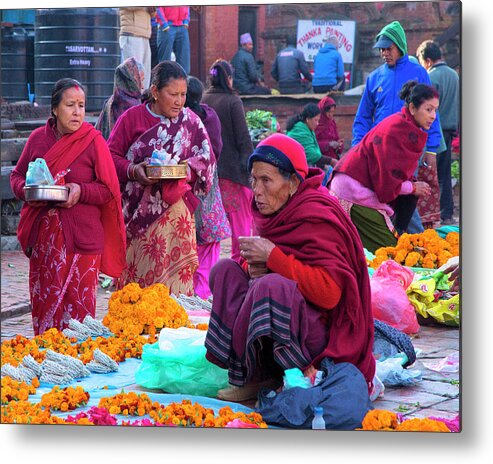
x=177, y=364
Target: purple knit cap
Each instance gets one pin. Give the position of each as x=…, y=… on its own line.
x=245, y=38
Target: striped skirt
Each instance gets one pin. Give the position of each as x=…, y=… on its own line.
x=260, y=327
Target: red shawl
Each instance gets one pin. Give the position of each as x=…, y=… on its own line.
x=60, y=156
x=387, y=156
x=326, y=130
x=314, y=228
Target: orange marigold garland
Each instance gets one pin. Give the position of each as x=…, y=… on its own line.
x=427, y=250
x=25, y=412
x=184, y=414
x=12, y=390
x=134, y=311
x=380, y=419
x=64, y=399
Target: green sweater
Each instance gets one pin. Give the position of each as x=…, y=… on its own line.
x=302, y=134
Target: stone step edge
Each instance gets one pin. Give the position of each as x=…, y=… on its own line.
x=15, y=310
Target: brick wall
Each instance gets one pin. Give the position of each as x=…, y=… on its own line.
x=220, y=33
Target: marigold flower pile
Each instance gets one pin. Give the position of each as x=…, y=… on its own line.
x=117, y=348
x=12, y=390
x=64, y=399
x=134, y=311
x=426, y=250
x=184, y=414
x=380, y=419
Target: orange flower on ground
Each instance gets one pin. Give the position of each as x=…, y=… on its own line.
x=133, y=311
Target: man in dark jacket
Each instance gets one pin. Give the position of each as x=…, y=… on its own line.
x=245, y=79
x=446, y=81
x=288, y=66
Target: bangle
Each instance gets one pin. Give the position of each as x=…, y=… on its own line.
x=131, y=171
x=430, y=153
x=414, y=188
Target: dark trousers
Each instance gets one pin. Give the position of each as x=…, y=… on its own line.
x=404, y=206
x=153, y=45
x=444, y=163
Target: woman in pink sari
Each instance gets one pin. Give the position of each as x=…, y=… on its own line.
x=161, y=240
x=69, y=243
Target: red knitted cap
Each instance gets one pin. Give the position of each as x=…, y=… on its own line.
x=284, y=149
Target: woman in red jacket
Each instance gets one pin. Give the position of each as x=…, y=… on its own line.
x=69, y=243
x=302, y=292
x=328, y=139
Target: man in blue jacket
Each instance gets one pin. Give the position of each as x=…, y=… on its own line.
x=381, y=95
x=328, y=67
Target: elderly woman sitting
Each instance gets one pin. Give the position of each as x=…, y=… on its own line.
x=302, y=293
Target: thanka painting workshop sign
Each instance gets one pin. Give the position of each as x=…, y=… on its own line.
x=311, y=32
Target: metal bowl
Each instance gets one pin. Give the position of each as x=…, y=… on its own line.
x=46, y=193
x=167, y=171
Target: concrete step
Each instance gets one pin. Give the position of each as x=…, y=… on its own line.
x=5, y=189
x=10, y=243
x=11, y=149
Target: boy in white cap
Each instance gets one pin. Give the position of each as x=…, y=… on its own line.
x=245, y=77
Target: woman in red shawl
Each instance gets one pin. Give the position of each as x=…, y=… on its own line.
x=328, y=139
x=302, y=292
x=158, y=214
x=69, y=243
x=374, y=180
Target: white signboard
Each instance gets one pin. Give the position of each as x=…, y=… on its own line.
x=312, y=31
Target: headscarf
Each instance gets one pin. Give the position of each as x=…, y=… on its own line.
x=126, y=93
x=395, y=32
x=283, y=152
x=326, y=130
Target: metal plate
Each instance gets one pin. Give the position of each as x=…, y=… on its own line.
x=46, y=193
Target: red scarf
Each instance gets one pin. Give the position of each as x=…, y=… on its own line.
x=387, y=156
x=60, y=156
x=314, y=228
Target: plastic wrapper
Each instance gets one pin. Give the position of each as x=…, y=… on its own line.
x=38, y=173
x=389, y=299
x=177, y=364
x=392, y=374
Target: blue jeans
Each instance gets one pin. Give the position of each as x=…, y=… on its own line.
x=176, y=40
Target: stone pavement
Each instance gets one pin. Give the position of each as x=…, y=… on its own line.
x=437, y=394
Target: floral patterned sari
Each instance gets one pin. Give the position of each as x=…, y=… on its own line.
x=161, y=239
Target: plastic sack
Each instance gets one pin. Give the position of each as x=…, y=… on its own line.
x=389, y=299
x=392, y=373
x=177, y=364
x=38, y=173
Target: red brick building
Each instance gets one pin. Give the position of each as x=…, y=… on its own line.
x=215, y=30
